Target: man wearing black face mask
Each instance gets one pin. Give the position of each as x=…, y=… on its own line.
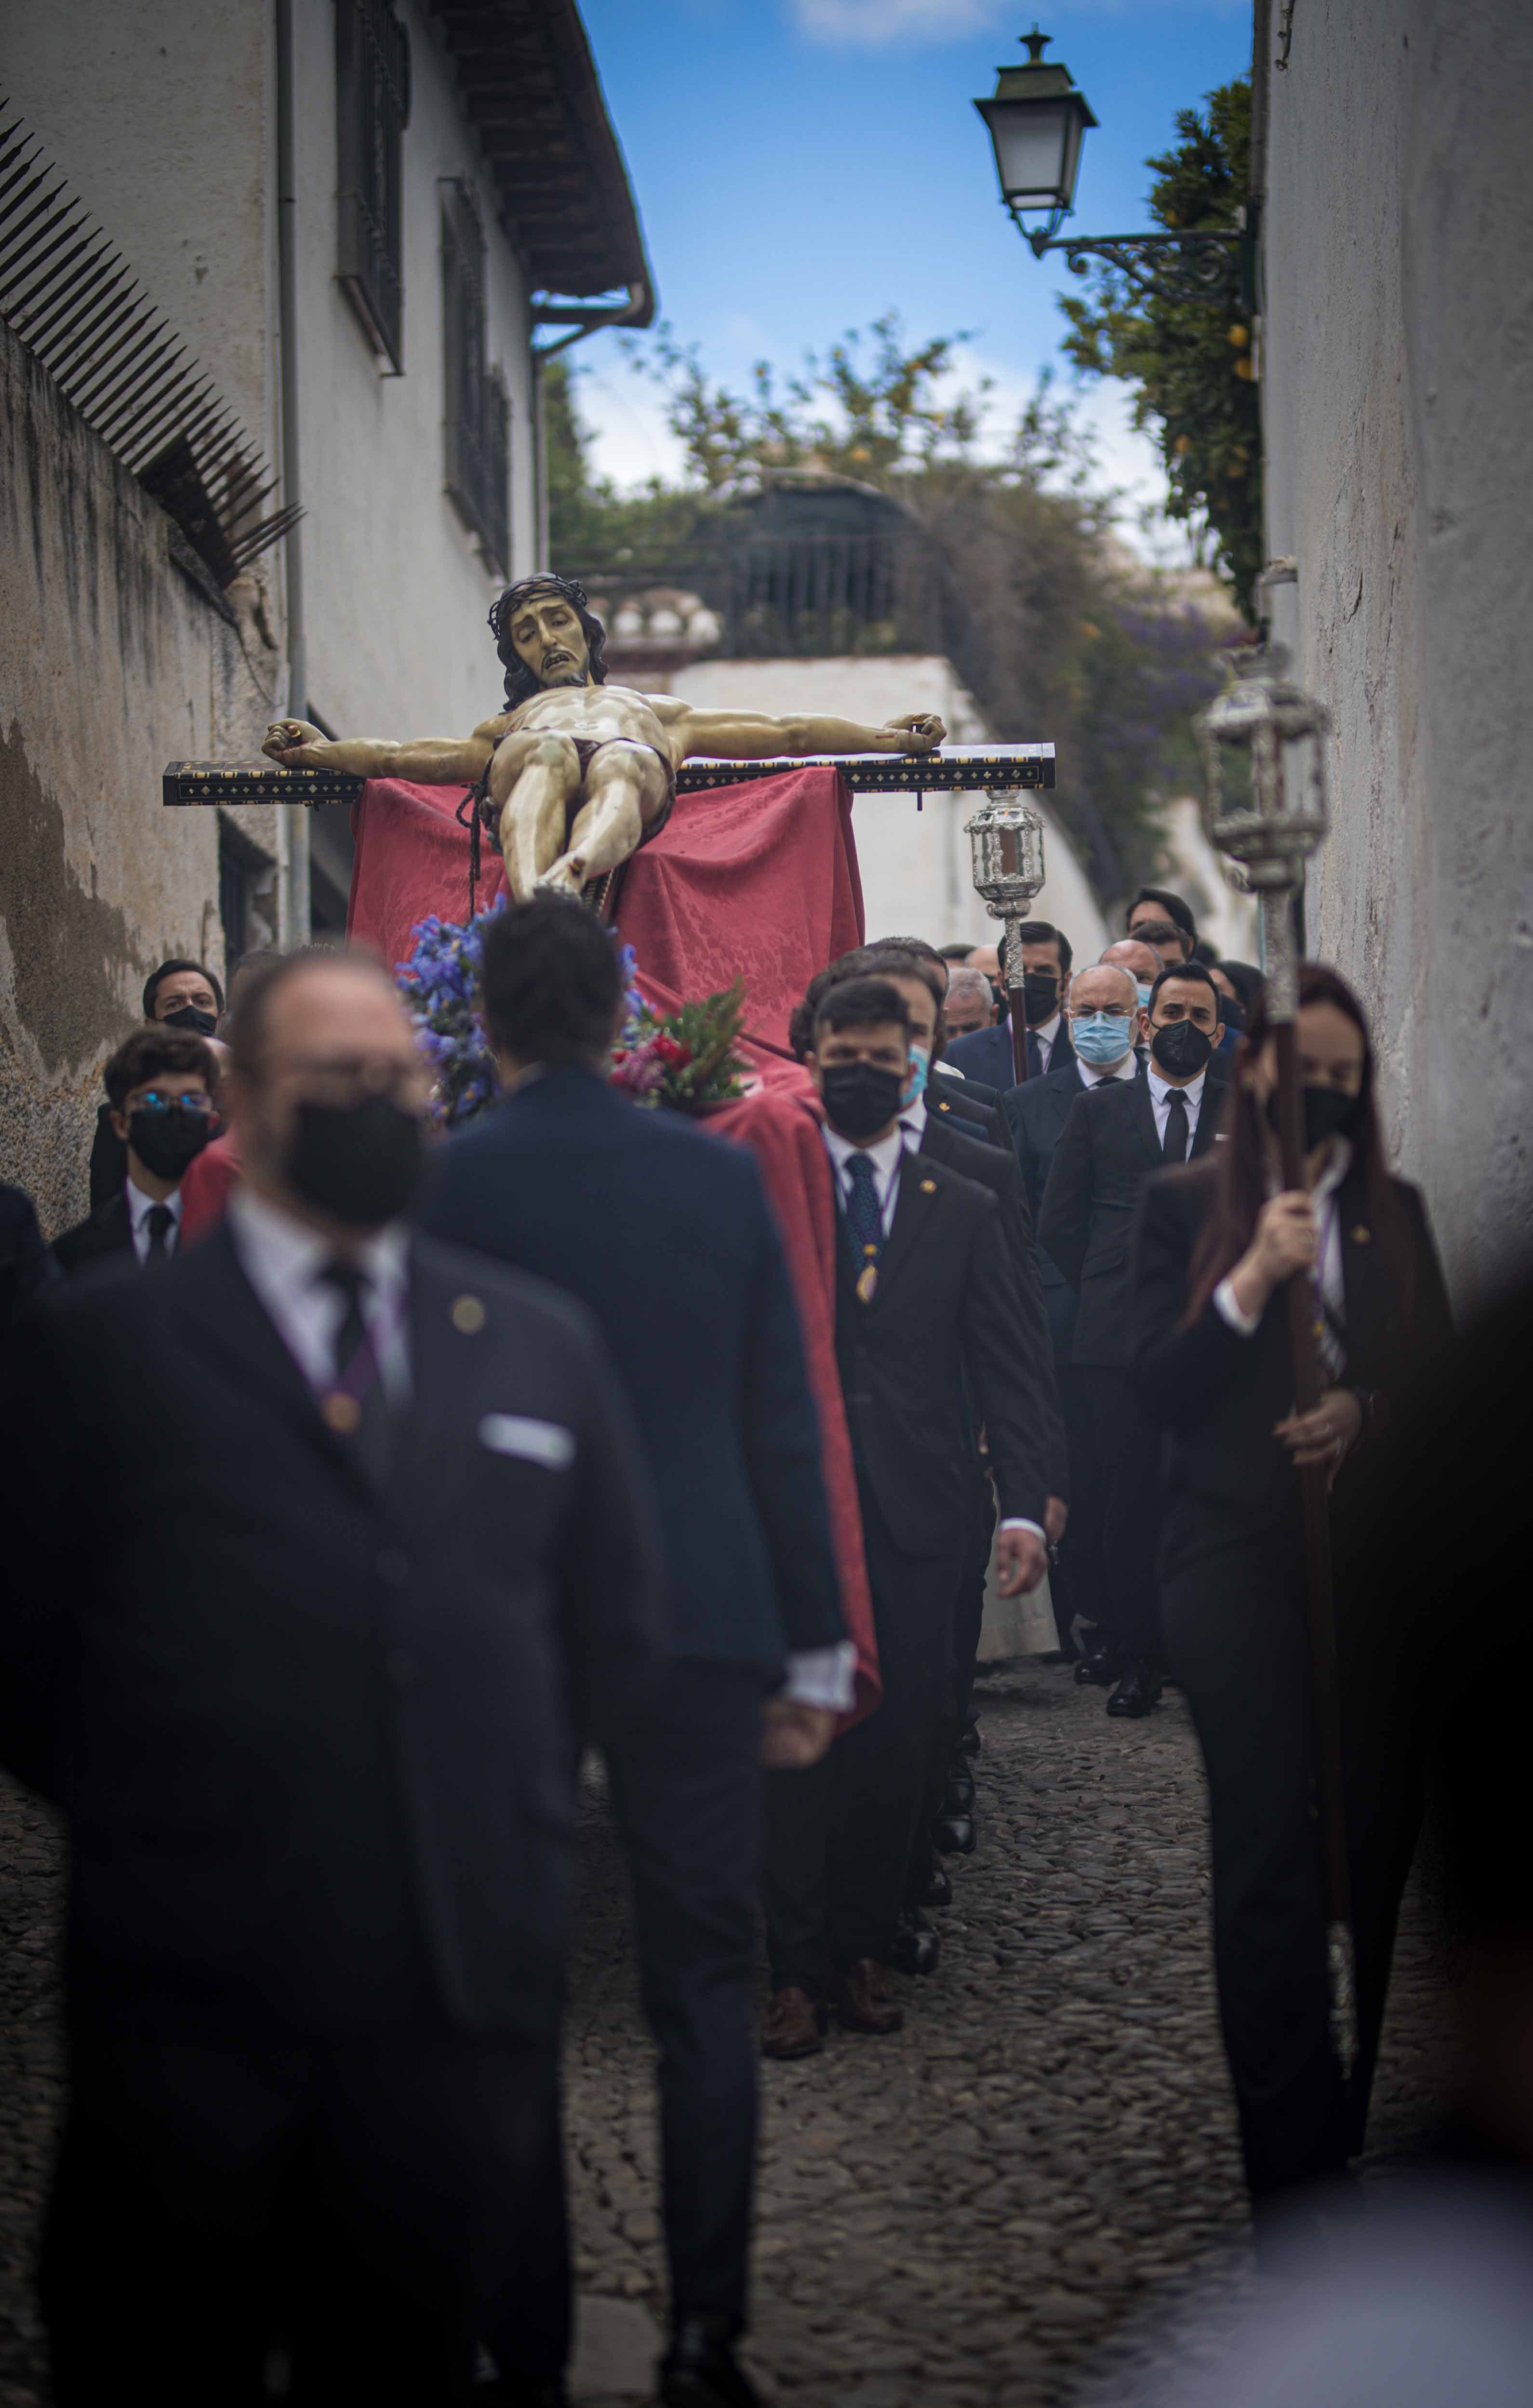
x=180, y=994
x=925, y=1293
x=1115, y=1138
x=986, y=1055
x=325, y=1544
x=160, y=1103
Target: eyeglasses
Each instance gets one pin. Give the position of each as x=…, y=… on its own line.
x=1102, y=1011
x=152, y=1102
x=343, y=1080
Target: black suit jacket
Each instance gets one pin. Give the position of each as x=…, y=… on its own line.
x=665, y=1234
x=25, y=1263
x=1219, y=1392
x=108, y=1231
x=959, y=1103
x=945, y=1297
x=1027, y=1345
x=108, y=1159
x=316, y=1735
x=1034, y=1116
x=1107, y=1150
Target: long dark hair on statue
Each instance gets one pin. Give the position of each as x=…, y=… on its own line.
x=1241, y=1190
x=521, y=684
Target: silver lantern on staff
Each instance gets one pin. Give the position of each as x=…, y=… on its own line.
x=1264, y=798
x=1006, y=841
x=1263, y=804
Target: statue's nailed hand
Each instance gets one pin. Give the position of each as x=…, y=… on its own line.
x=917, y=731
x=292, y=742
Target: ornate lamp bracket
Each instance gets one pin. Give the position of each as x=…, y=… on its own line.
x=1204, y=267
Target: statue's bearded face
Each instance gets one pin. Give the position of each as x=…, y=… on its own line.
x=547, y=634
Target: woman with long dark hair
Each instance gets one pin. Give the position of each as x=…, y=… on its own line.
x=1218, y=1243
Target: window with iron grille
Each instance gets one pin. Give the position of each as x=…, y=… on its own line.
x=478, y=422
x=372, y=109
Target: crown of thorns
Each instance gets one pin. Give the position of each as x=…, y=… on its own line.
x=505, y=606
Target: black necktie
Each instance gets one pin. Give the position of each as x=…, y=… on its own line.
x=1175, y=1148
x=158, y=1220
x=356, y=1407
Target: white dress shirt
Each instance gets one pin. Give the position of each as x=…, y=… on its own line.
x=1332, y=1279
x=885, y=1158
x=1047, y=1033
x=1161, y=1092
x=284, y=1259
x=1128, y=1068
x=139, y=1207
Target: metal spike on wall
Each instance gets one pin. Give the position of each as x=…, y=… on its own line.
x=70, y=297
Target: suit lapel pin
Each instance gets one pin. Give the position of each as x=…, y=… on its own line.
x=928, y=1187
x=1360, y=1236
x=341, y=1413
x=467, y=1315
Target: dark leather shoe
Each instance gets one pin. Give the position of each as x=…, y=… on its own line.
x=953, y=1835
x=1136, y=1692
x=938, y=1888
x=794, y=2025
x=970, y=1742
x=917, y=1947
x=958, y=1796
x=1098, y=1668
x=863, y=2003
x=700, y=2368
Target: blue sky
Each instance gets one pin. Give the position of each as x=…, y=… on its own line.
x=802, y=165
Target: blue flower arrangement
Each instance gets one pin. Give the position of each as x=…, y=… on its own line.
x=438, y=984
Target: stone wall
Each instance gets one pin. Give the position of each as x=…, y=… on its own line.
x=1398, y=396
x=112, y=660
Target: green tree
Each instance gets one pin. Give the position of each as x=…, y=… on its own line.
x=1191, y=360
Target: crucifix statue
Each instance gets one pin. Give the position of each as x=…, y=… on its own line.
x=574, y=774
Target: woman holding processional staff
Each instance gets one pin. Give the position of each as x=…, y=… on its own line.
x=1218, y=1243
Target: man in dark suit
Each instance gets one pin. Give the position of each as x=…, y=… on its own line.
x=926, y=1292
x=159, y=1086
x=26, y=1266
x=949, y=1139
x=322, y=1547
x=1114, y=1138
x=1103, y=1018
x=1046, y=967
x=180, y=994
x=665, y=1234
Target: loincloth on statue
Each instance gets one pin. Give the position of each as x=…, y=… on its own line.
x=586, y=747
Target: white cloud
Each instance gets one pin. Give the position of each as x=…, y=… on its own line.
x=627, y=416
x=873, y=25
x=876, y=25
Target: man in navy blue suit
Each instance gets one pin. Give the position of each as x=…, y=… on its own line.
x=665, y=1234
x=985, y=1054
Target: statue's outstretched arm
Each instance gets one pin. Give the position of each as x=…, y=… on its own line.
x=751, y=736
x=424, y=761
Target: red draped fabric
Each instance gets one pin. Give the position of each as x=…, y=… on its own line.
x=758, y=881
x=784, y=1137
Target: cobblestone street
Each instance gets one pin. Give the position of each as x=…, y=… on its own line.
x=966, y=2213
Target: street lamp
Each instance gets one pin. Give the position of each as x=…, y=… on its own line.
x=1037, y=118
x=1006, y=843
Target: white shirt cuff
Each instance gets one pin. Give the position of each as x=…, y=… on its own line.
x=1228, y=1306
x=823, y=1676
x=1017, y=1522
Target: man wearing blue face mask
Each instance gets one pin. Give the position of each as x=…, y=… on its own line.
x=1103, y=1019
x=1114, y=1138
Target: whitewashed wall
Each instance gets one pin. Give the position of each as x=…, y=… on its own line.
x=915, y=865
x=1398, y=403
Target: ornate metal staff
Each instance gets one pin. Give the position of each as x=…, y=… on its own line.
x=1007, y=841
x=1265, y=805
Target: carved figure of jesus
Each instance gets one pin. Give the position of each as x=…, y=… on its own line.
x=576, y=774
